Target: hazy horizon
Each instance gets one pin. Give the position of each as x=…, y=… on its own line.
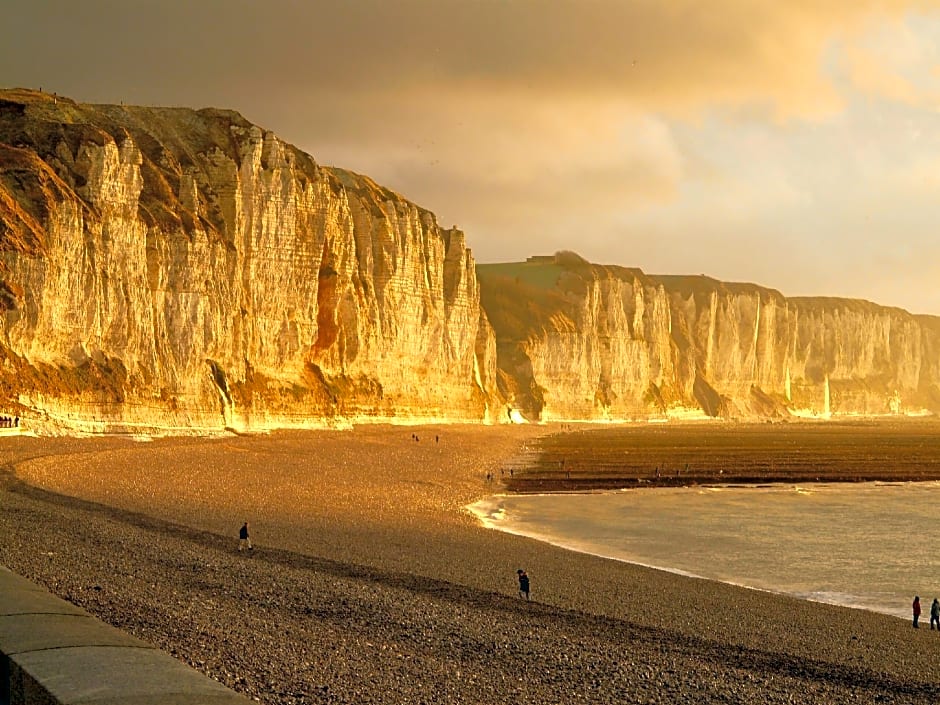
x=785, y=144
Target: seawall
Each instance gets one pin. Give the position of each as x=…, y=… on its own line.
x=54, y=653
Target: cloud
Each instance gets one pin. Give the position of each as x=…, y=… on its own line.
x=518, y=144
x=675, y=55
x=895, y=60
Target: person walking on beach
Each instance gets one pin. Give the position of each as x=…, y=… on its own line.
x=243, y=539
x=915, y=608
x=935, y=614
x=523, y=584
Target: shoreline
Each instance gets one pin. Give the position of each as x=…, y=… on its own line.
x=383, y=589
x=493, y=515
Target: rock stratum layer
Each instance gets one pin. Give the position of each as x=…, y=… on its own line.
x=167, y=268
x=584, y=341
x=188, y=269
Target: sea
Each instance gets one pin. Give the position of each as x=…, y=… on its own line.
x=871, y=546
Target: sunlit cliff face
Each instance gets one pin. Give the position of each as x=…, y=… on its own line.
x=179, y=269
x=577, y=340
x=188, y=269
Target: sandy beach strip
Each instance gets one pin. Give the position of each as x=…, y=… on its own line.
x=370, y=583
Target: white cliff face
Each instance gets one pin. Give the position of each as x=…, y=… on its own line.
x=170, y=268
x=613, y=343
x=605, y=361
x=196, y=271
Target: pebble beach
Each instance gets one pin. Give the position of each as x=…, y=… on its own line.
x=369, y=582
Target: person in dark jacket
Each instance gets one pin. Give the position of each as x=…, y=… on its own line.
x=915, y=608
x=935, y=613
x=244, y=541
x=523, y=583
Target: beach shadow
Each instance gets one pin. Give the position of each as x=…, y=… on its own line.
x=512, y=609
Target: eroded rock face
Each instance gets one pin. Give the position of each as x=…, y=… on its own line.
x=583, y=341
x=180, y=268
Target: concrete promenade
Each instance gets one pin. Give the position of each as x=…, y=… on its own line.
x=54, y=653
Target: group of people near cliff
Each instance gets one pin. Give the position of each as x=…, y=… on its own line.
x=9, y=421
x=934, y=613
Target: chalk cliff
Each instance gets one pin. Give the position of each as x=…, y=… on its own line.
x=583, y=341
x=188, y=269
x=178, y=269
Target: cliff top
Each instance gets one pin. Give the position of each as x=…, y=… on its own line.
x=544, y=290
x=43, y=135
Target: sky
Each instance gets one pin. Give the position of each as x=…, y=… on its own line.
x=792, y=144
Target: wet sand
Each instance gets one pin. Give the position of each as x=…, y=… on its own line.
x=643, y=455
x=369, y=583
